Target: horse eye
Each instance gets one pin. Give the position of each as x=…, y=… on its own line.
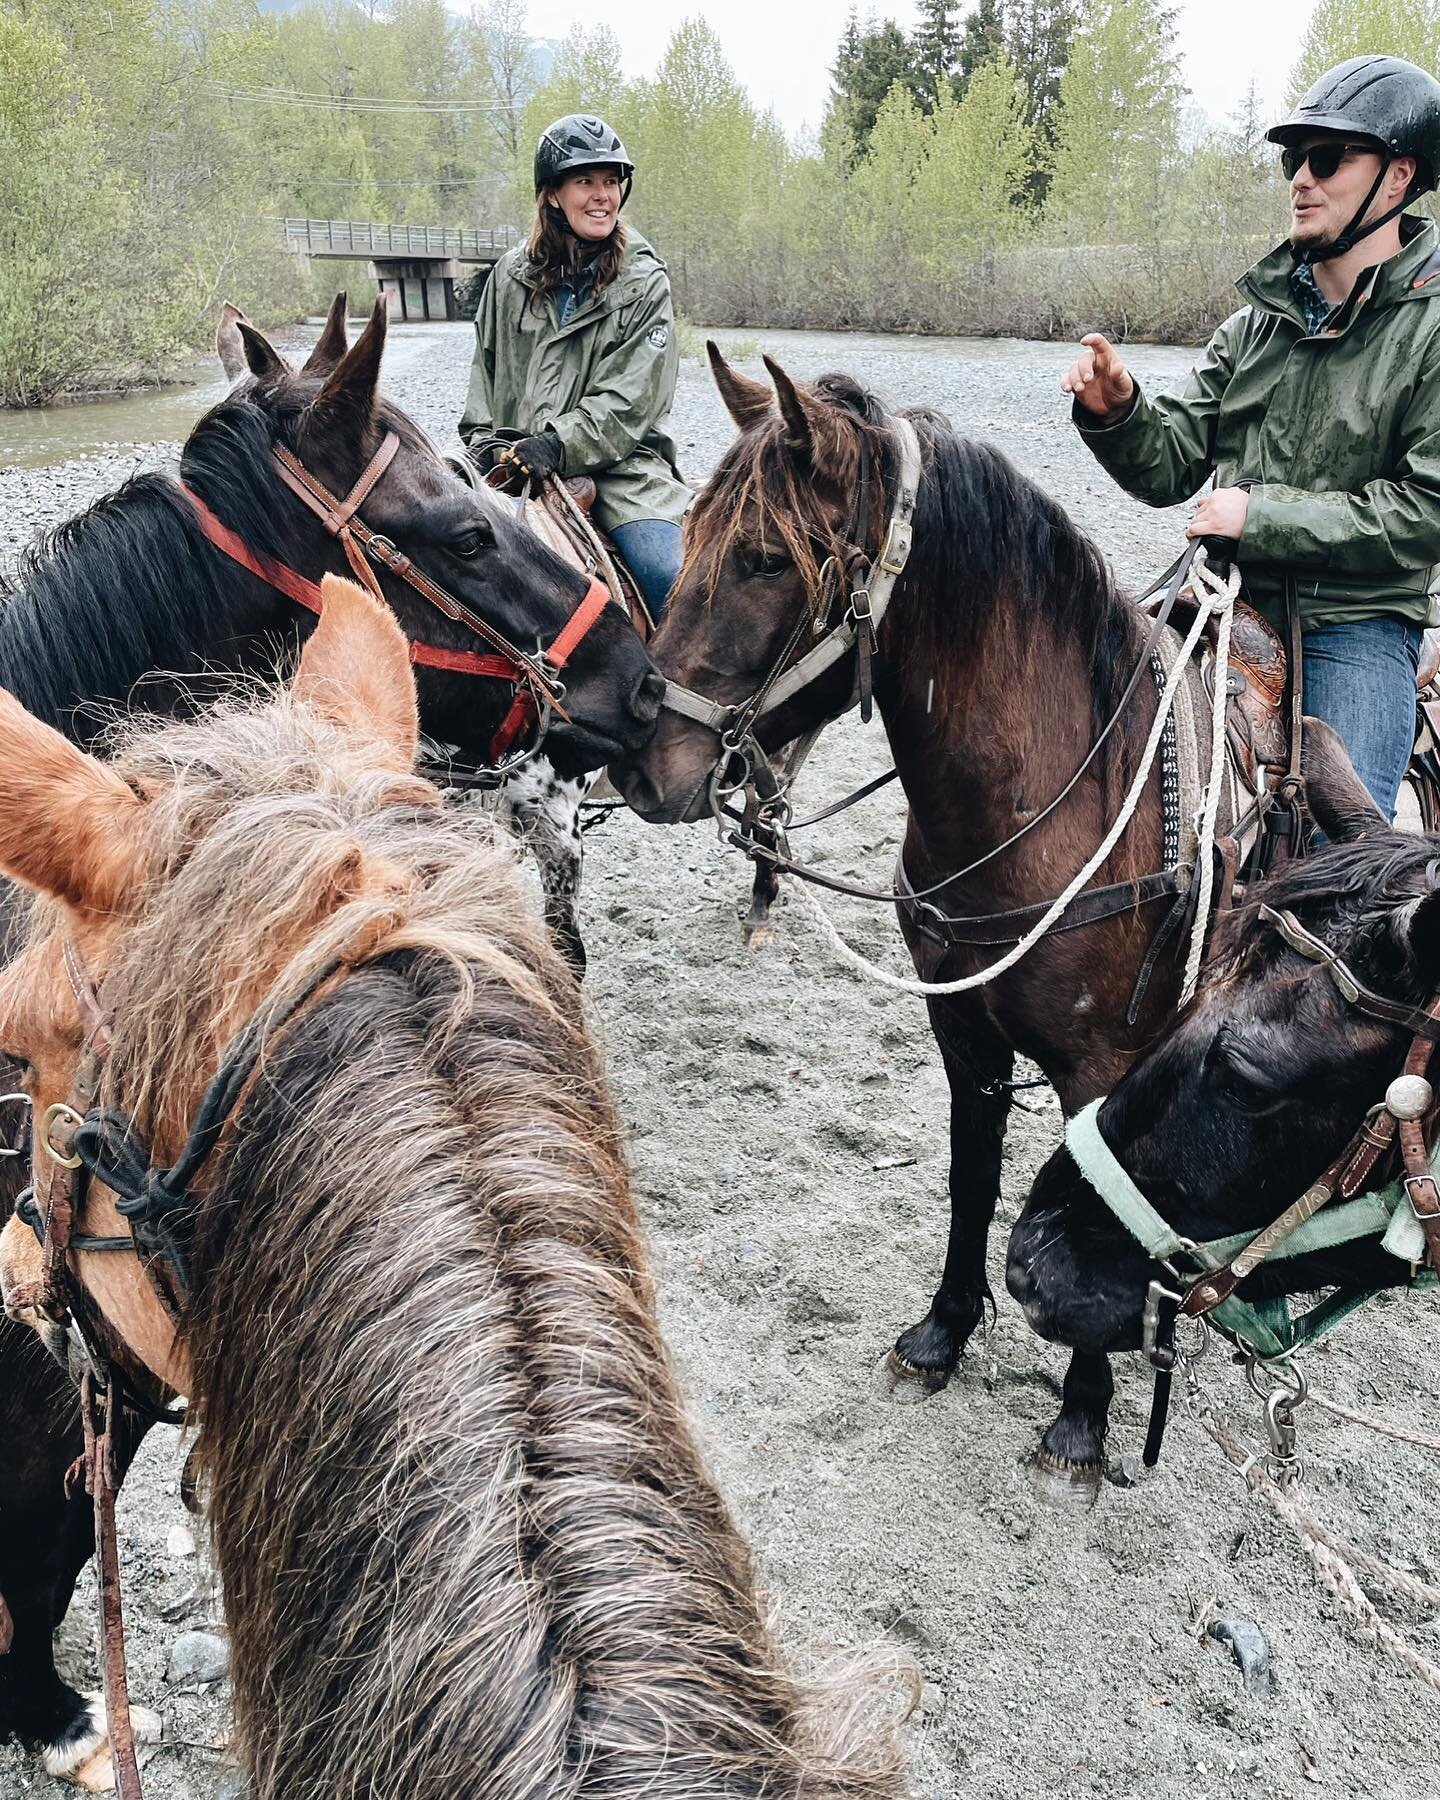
x=471, y=541
x=1237, y=1085
x=768, y=564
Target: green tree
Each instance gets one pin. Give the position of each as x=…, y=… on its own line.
x=879, y=191
x=1037, y=37
x=964, y=196
x=936, y=42
x=1343, y=28
x=1116, y=123
x=982, y=38
x=61, y=211
x=867, y=66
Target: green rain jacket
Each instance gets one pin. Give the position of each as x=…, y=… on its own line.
x=603, y=381
x=1340, y=433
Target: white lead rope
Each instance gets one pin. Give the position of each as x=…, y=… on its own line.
x=1214, y=597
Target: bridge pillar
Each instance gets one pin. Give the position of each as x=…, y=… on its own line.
x=417, y=290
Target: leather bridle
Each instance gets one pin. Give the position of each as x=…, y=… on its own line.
x=861, y=587
x=539, y=692
x=81, y=1143
x=1207, y=1291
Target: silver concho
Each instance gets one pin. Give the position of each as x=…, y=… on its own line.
x=1409, y=1097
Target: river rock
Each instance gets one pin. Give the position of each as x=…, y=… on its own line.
x=198, y=1656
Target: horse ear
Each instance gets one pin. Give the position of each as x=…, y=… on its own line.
x=331, y=344
x=813, y=429
x=350, y=388
x=69, y=826
x=745, y=400
x=264, y=361
x=1339, y=799
x=355, y=671
x=229, y=345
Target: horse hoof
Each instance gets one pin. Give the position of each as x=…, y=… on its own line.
x=759, y=937
x=906, y=1384
x=1066, y=1486
x=84, y=1760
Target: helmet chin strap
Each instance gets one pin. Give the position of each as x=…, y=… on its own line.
x=1354, y=232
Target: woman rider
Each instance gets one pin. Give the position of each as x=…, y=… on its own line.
x=576, y=349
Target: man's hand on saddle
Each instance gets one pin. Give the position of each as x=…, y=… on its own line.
x=1098, y=379
x=1220, y=514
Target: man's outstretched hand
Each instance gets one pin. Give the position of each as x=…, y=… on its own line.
x=1097, y=378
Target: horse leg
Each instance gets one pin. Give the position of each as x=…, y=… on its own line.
x=1071, y=1458
x=977, y=1064
x=48, y=1538
x=545, y=810
x=764, y=892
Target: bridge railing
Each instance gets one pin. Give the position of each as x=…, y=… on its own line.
x=356, y=237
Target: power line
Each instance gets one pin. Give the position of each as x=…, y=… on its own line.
x=362, y=107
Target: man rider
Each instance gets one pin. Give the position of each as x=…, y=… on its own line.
x=1316, y=407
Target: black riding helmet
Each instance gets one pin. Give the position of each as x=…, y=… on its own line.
x=1383, y=99
x=580, y=141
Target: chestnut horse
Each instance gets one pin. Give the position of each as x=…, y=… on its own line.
x=1005, y=649
x=130, y=603
x=466, y=1541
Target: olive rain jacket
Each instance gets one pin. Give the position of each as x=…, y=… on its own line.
x=603, y=381
x=1339, y=432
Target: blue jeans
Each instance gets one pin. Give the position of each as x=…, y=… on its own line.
x=651, y=548
x=1360, y=678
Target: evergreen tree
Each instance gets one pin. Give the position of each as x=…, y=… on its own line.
x=1117, y=122
x=936, y=49
x=982, y=39
x=1037, y=36
x=867, y=66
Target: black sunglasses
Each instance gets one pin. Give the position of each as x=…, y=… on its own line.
x=1324, y=159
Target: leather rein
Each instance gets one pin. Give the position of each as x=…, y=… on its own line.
x=536, y=679
x=1208, y=1295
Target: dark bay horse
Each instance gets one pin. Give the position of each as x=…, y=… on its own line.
x=467, y=1544
x=130, y=604
x=1255, y=1090
x=1004, y=651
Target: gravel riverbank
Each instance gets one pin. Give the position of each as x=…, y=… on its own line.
x=789, y=1148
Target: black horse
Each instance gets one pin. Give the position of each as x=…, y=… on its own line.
x=1253, y=1092
x=130, y=604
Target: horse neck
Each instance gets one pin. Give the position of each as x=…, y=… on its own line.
x=990, y=707
x=131, y=588
x=467, y=1544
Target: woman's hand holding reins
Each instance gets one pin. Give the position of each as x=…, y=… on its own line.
x=1098, y=379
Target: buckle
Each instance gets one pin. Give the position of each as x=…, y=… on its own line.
x=895, y=552
x=1157, y=1333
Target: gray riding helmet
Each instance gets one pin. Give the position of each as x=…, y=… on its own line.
x=580, y=141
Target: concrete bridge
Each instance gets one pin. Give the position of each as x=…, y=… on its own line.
x=415, y=266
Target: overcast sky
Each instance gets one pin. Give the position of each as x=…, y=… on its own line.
x=782, y=49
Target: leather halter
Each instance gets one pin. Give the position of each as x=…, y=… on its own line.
x=539, y=692
x=866, y=586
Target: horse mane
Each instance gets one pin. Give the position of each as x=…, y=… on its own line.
x=1355, y=896
x=984, y=535
x=466, y=1539
x=130, y=585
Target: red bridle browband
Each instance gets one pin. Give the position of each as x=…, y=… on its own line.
x=534, y=678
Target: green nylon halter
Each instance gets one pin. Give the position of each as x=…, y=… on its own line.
x=1263, y=1325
